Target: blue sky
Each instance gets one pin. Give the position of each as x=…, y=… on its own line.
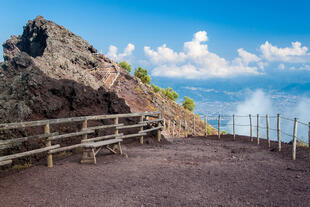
x=228, y=26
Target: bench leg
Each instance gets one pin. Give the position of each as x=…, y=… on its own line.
x=116, y=149
x=89, y=156
x=120, y=148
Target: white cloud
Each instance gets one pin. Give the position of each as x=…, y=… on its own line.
x=296, y=53
x=112, y=53
x=281, y=66
x=247, y=57
x=197, y=62
x=302, y=67
x=163, y=55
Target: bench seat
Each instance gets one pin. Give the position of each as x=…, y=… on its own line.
x=92, y=148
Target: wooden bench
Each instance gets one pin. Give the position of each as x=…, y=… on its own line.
x=91, y=149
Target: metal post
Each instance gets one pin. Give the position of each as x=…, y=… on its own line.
x=294, y=139
x=267, y=129
x=278, y=132
x=206, y=126
x=309, y=138
x=251, y=128
x=194, y=129
x=219, y=126
x=234, y=127
x=257, y=129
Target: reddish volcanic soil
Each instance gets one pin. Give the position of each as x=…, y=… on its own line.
x=181, y=172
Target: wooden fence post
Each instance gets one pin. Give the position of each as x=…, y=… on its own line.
x=194, y=126
x=173, y=129
x=141, y=129
x=205, y=125
x=251, y=128
x=116, y=122
x=267, y=130
x=179, y=133
x=186, y=133
x=234, y=127
x=48, y=144
x=159, y=131
x=257, y=129
x=309, y=138
x=219, y=126
x=294, y=139
x=84, y=126
x=164, y=124
x=168, y=128
x=278, y=132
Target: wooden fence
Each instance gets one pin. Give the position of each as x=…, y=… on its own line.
x=147, y=119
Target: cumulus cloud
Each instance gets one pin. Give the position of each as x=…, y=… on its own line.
x=112, y=53
x=302, y=67
x=295, y=53
x=247, y=57
x=281, y=66
x=163, y=55
x=197, y=62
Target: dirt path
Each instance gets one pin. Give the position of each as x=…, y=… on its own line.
x=191, y=172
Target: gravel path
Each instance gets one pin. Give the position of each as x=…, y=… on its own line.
x=184, y=172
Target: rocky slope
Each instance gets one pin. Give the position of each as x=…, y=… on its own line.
x=49, y=72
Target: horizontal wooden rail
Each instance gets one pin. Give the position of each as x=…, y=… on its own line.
x=133, y=135
x=102, y=138
x=6, y=162
x=152, y=121
x=73, y=119
x=152, y=129
x=24, y=154
x=16, y=141
x=71, y=134
x=102, y=143
x=104, y=127
x=62, y=149
x=131, y=126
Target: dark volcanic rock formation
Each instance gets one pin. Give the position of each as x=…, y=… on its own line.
x=47, y=74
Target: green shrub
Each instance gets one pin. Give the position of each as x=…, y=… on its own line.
x=170, y=93
x=126, y=66
x=188, y=103
x=142, y=75
x=155, y=88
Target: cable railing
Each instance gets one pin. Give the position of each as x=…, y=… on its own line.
x=275, y=127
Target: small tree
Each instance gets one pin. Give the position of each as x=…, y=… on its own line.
x=142, y=75
x=171, y=94
x=155, y=88
x=126, y=66
x=188, y=103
